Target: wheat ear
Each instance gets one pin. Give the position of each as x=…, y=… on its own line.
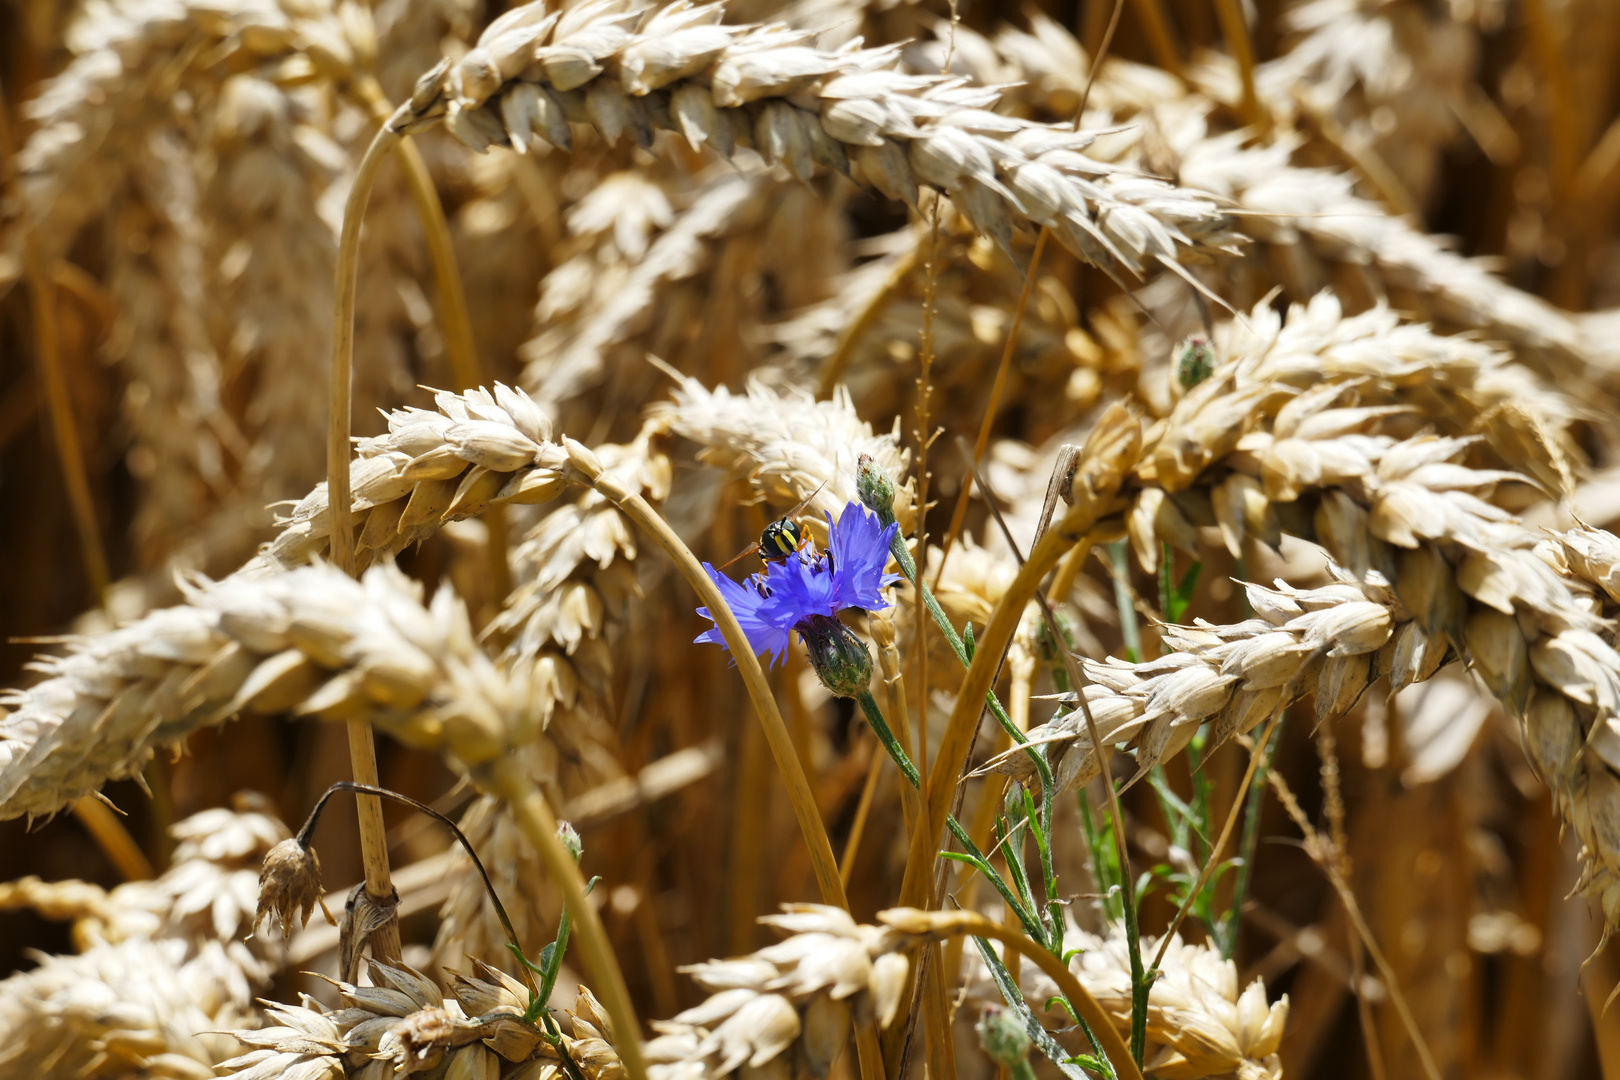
x=678, y=68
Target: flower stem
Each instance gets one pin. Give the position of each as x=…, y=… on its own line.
x=539, y=826
x=1113, y=447
x=777, y=735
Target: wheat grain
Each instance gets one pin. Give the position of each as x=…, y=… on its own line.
x=629, y=72
x=403, y=1024
x=787, y=1004
x=1304, y=220
x=311, y=640
x=1441, y=570
x=163, y=966
x=1394, y=78
x=789, y=446
x=1199, y=1024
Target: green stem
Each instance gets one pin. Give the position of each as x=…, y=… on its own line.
x=1129, y=628
x=1140, y=983
x=1042, y=1039
x=902, y=760
x=1251, y=840
x=908, y=567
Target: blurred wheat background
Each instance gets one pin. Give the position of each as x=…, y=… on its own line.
x=1285, y=343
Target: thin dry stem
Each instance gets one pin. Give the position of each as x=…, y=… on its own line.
x=822, y=860
x=539, y=824
x=64, y=428
x=1321, y=853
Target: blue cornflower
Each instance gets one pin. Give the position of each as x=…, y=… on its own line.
x=806, y=590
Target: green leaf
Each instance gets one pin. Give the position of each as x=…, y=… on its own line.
x=1181, y=599
x=967, y=640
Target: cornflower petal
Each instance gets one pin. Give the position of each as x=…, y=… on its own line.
x=788, y=593
x=765, y=635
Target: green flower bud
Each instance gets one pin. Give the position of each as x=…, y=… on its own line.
x=876, y=488
x=1003, y=1037
x=839, y=657
x=1195, y=361
x=570, y=840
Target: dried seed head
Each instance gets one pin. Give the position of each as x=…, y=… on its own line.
x=289, y=884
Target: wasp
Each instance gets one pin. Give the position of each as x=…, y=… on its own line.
x=780, y=539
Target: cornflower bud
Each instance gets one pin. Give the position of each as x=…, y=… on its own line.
x=1002, y=1037
x=840, y=658
x=570, y=840
x=876, y=488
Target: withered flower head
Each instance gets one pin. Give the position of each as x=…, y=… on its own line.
x=289, y=883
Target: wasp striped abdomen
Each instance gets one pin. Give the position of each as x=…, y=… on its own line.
x=780, y=539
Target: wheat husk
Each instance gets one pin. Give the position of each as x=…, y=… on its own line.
x=163, y=966
x=788, y=1006
x=660, y=263
x=205, y=139
x=1433, y=569
x=310, y=641
x=629, y=73
x=789, y=446
x=1310, y=225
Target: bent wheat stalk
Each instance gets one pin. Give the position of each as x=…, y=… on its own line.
x=822, y=860
x=1114, y=445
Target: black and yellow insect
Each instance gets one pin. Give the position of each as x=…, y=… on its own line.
x=781, y=538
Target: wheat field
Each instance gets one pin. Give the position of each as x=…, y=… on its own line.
x=908, y=538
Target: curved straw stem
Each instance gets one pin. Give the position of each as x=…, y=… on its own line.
x=539, y=826
x=952, y=923
x=833, y=369
x=803, y=799
x=64, y=428
x=362, y=753
x=454, y=321
x=1113, y=447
